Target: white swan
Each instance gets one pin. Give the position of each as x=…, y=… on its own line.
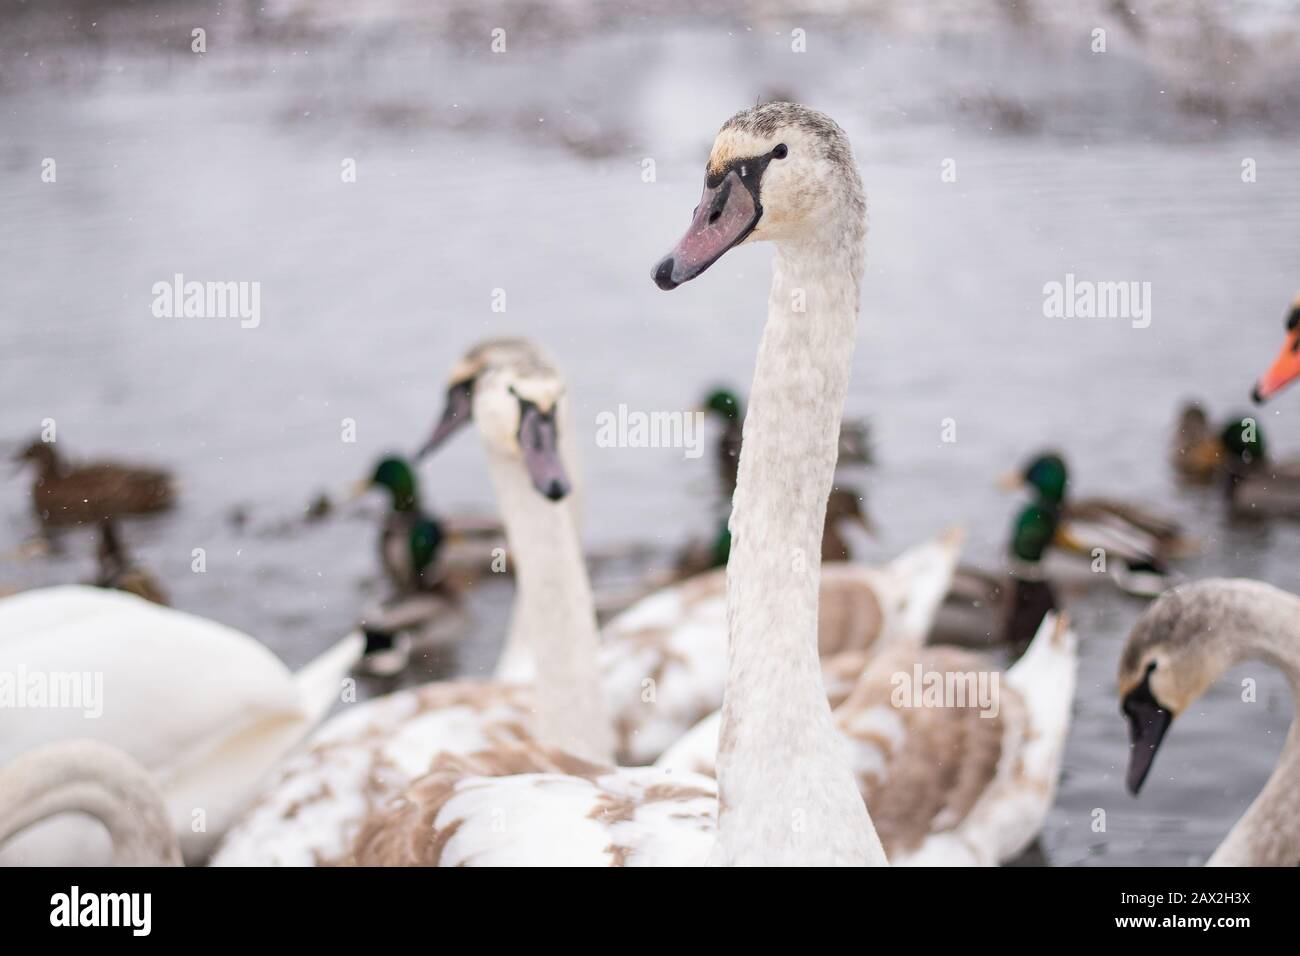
x=363, y=757
x=1178, y=648
x=205, y=708
x=368, y=755
x=785, y=793
x=88, y=777
x=947, y=785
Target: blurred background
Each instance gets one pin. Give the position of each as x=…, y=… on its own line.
x=524, y=171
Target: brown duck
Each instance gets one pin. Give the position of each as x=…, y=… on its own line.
x=64, y=494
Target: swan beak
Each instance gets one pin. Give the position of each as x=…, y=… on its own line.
x=457, y=413
x=1284, y=369
x=1147, y=724
x=539, y=442
x=727, y=214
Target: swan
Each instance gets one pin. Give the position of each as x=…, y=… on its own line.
x=88, y=777
x=947, y=786
x=1286, y=367
x=1179, y=646
x=358, y=760
x=785, y=794
x=206, y=709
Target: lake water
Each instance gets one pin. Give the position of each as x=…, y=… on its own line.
x=525, y=173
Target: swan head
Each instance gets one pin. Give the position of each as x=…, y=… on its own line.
x=1286, y=367
x=1177, y=648
x=780, y=172
x=513, y=395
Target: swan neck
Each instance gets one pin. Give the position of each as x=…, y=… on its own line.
x=786, y=794
x=553, y=625
x=1268, y=834
x=67, y=778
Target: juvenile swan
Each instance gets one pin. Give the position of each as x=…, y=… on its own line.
x=785, y=791
x=1178, y=648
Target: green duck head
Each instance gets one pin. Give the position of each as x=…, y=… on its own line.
x=1033, y=531
x=396, y=475
x=723, y=403
x=1047, y=475
x=1243, y=440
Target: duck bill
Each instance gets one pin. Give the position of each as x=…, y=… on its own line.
x=1285, y=369
x=539, y=441
x=1147, y=724
x=455, y=415
x=727, y=214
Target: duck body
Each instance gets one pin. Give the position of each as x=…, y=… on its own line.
x=205, y=708
x=64, y=494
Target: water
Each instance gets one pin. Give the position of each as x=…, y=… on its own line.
x=524, y=173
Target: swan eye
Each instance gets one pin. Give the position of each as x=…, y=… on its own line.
x=781, y=152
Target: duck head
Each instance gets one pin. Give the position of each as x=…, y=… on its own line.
x=1046, y=474
x=779, y=172
x=723, y=403
x=395, y=475
x=513, y=396
x=1286, y=366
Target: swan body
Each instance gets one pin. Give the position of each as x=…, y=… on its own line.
x=206, y=709
x=91, y=778
x=663, y=661
x=946, y=786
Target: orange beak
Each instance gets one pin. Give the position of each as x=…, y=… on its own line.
x=1284, y=369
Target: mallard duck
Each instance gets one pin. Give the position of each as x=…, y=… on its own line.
x=1286, y=367
x=64, y=494
x=1257, y=486
x=410, y=541
x=1143, y=541
x=117, y=571
x=722, y=403
x=1196, y=454
x=984, y=608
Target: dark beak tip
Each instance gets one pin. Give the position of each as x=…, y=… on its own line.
x=663, y=274
x=1255, y=396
